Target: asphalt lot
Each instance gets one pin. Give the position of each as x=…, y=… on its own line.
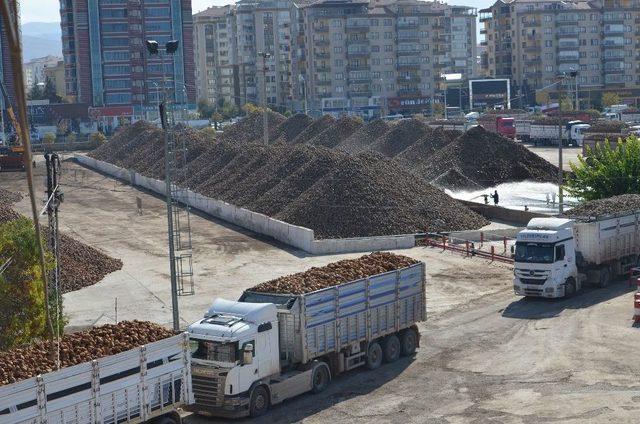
x=486, y=355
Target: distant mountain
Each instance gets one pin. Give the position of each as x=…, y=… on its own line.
x=40, y=39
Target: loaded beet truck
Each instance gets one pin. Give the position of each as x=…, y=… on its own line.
x=146, y=384
x=268, y=347
x=503, y=125
x=555, y=256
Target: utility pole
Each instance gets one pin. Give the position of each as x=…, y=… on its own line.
x=560, y=172
x=152, y=46
x=54, y=198
x=265, y=113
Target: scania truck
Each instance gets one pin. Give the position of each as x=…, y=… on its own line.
x=265, y=348
x=554, y=257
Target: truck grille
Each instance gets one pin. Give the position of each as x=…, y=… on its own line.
x=533, y=281
x=208, y=386
x=533, y=292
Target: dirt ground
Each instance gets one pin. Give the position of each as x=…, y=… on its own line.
x=486, y=355
x=550, y=153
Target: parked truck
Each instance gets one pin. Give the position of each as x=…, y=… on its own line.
x=146, y=384
x=572, y=133
x=554, y=257
x=265, y=348
x=503, y=125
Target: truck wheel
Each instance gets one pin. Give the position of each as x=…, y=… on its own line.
x=391, y=348
x=259, y=403
x=569, y=288
x=166, y=420
x=374, y=356
x=408, y=342
x=605, y=278
x=321, y=378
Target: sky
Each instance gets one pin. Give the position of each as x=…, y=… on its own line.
x=48, y=10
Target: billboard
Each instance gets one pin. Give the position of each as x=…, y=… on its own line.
x=489, y=93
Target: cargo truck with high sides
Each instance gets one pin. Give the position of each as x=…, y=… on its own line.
x=146, y=384
x=555, y=257
x=268, y=347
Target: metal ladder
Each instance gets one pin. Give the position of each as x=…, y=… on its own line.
x=181, y=212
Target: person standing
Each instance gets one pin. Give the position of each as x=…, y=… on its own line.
x=495, y=198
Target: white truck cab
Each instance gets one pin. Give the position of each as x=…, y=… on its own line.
x=233, y=346
x=545, y=259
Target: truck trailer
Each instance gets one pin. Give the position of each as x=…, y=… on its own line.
x=546, y=134
x=265, y=348
x=504, y=125
x=146, y=384
x=554, y=257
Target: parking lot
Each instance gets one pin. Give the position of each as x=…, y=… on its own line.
x=486, y=355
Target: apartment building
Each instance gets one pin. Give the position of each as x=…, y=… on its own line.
x=216, y=54
x=106, y=61
x=533, y=41
x=55, y=74
x=33, y=70
x=384, y=56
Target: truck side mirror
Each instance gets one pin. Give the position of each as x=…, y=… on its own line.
x=247, y=354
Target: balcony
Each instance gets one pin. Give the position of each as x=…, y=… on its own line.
x=408, y=66
x=406, y=24
x=322, y=43
x=483, y=31
x=357, y=68
x=531, y=24
x=567, y=21
x=408, y=37
x=322, y=55
x=357, y=53
x=322, y=28
x=532, y=48
x=532, y=61
x=568, y=59
x=357, y=27
x=407, y=52
x=363, y=79
x=408, y=92
x=484, y=43
x=323, y=69
x=323, y=82
x=359, y=93
x=408, y=79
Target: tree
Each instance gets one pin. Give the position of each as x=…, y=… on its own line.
x=49, y=138
x=97, y=138
x=229, y=110
x=606, y=171
x=22, y=316
x=208, y=133
x=205, y=108
x=217, y=118
x=542, y=98
x=35, y=93
x=438, y=109
x=250, y=108
x=49, y=92
x=609, y=99
x=566, y=103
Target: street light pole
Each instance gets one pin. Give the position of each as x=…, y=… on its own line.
x=171, y=47
x=560, y=172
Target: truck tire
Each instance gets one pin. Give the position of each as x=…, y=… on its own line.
x=259, y=402
x=569, y=288
x=408, y=342
x=321, y=378
x=605, y=278
x=374, y=356
x=165, y=420
x=391, y=348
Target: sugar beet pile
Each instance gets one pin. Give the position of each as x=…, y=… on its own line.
x=335, y=273
x=80, y=265
x=609, y=206
x=22, y=363
x=335, y=193
x=450, y=159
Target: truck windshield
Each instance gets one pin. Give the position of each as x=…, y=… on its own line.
x=541, y=253
x=507, y=124
x=214, y=351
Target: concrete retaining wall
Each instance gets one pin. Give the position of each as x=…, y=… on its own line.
x=293, y=235
x=502, y=214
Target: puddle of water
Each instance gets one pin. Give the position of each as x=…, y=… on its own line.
x=537, y=196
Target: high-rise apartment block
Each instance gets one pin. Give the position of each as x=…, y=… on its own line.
x=341, y=56
x=107, y=64
x=532, y=42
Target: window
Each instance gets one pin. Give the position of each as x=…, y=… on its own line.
x=337, y=49
x=534, y=252
x=339, y=76
x=388, y=48
x=375, y=49
x=387, y=22
x=388, y=35
x=114, y=27
x=560, y=252
x=115, y=42
x=117, y=83
x=373, y=22
x=113, y=13
x=548, y=18
x=156, y=11
x=117, y=69
x=113, y=56
x=548, y=43
x=158, y=26
x=339, y=89
x=337, y=37
x=548, y=68
x=118, y=98
x=388, y=61
x=338, y=62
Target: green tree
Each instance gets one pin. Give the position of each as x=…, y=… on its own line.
x=606, y=171
x=205, y=108
x=49, y=92
x=566, y=103
x=438, y=109
x=229, y=110
x=22, y=316
x=97, y=138
x=609, y=99
x=542, y=98
x=35, y=92
x=49, y=138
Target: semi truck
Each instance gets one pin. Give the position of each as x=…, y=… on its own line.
x=545, y=134
x=555, y=257
x=503, y=125
x=146, y=384
x=256, y=352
